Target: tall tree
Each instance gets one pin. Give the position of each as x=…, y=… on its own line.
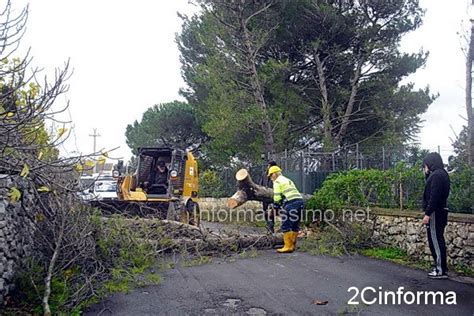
x=247, y=24
x=323, y=73
x=460, y=159
x=469, y=109
x=241, y=96
x=168, y=124
x=348, y=65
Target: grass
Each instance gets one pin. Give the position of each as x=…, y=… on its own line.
x=399, y=256
x=328, y=242
x=464, y=270
x=395, y=255
x=197, y=261
x=389, y=253
x=249, y=253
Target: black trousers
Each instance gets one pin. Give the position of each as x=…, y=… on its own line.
x=435, y=230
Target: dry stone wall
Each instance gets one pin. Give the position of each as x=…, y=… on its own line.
x=403, y=229
x=16, y=231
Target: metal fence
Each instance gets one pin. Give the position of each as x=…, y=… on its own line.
x=309, y=168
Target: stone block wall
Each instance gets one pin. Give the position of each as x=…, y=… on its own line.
x=403, y=229
x=212, y=204
x=16, y=230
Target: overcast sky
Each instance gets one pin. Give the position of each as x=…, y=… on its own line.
x=125, y=60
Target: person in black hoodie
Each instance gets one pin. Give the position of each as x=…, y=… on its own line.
x=435, y=199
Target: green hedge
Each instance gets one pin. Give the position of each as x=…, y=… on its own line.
x=381, y=188
x=461, y=197
x=211, y=184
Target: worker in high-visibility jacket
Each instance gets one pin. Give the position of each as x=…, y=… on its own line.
x=287, y=195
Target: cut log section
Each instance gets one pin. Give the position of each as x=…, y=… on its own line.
x=248, y=191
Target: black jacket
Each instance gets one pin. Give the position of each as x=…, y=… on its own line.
x=158, y=177
x=437, y=185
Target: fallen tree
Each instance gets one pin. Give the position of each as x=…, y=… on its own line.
x=250, y=191
x=175, y=236
x=165, y=236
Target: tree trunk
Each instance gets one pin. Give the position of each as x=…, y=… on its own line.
x=250, y=191
x=470, y=118
x=350, y=103
x=51, y=267
x=195, y=239
x=326, y=110
x=325, y=105
x=256, y=87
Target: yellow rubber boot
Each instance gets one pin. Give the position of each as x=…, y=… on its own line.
x=288, y=243
x=295, y=238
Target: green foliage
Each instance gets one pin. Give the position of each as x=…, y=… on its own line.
x=217, y=73
x=343, y=35
x=370, y=187
x=128, y=250
x=30, y=288
x=460, y=157
x=328, y=240
x=249, y=253
x=171, y=124
x=396, y=255
x=122, y=245
x=210, y=184
x=365, y=188
x=152, y=278
x=389, y=253
x=464, y=270
x=22, y=116
x=461, y=197
x=121, y=281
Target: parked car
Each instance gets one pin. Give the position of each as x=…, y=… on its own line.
x=105, y=190
x=98, y=188
x=86, y=185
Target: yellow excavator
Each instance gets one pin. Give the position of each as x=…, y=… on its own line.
x=172, y=195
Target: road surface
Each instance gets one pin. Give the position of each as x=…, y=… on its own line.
x=289, y=284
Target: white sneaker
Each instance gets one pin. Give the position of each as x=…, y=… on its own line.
x=437, y=275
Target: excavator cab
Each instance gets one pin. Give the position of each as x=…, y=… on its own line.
x=173, y=186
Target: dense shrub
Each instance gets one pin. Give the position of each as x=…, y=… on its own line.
x=389, y=188
x=211, y=184
x=462, y=190
x=371, y=188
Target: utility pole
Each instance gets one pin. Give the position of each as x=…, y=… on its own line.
x=94, y=136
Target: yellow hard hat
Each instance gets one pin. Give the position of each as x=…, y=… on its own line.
x=273, y=169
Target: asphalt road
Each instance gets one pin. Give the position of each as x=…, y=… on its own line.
x=287, y=284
